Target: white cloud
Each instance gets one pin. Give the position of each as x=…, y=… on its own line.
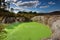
x=19, y=8
x=51, y=3
x=23, y=6
x=11, y=0
x=46, y=6
x=27, y=3
x=7, y=0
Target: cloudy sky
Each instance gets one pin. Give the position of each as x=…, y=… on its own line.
x=35, y=5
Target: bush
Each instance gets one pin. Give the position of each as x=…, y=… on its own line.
x=2, y=32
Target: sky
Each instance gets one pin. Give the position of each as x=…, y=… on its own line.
x=35, y=5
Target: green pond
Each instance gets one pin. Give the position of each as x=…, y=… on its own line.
x=27, y=31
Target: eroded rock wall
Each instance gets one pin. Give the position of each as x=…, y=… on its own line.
x=53, y=21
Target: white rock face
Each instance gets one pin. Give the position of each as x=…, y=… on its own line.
x=36, y=18
x=56, y=28
x=56, y=25
x=53, y=22
x=41, y=19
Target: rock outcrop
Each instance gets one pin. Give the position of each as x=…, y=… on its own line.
x=13, y=19
x=53, y=22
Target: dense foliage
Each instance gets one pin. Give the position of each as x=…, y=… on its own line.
x=3, y=33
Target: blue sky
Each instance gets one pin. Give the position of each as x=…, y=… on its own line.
x=35, y=5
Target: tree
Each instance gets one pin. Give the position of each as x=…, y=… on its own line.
x=8, y=4
x=30, y=12
x=12, y=9
x=34, y=12
x=20, y=12
x=2, y=4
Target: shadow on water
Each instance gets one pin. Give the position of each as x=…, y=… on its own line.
x=13, y=25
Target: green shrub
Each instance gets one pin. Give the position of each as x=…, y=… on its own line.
x=2, y=32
